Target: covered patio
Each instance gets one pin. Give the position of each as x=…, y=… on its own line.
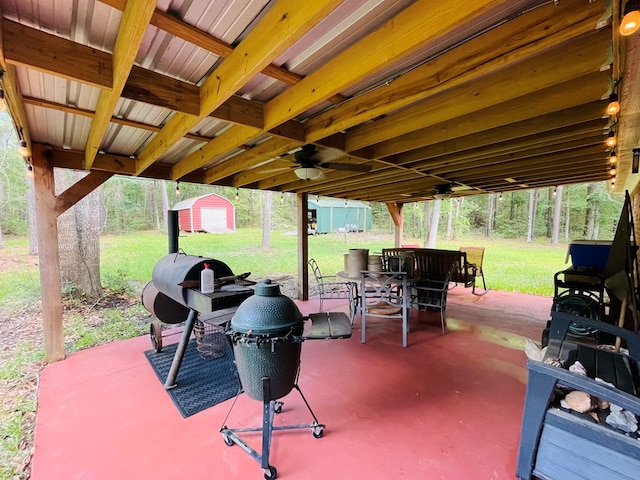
x=449, y=406
x=377, y=101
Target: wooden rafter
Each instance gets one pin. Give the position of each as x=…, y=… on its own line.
x=133, y=25
x=254, y=53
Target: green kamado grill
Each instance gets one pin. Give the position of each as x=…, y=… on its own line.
x=267, y=335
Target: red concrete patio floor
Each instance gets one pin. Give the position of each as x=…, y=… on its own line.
x=447, y=407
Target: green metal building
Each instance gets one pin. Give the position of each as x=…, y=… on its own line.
x=330, y=215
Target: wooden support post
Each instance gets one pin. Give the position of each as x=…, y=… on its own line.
x=303, y=247
x=49, y=207
x=49, y=256
x=395, y=209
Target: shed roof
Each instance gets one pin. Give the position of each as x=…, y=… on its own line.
x=328, y=202
x=187, y=203
x=475, y=95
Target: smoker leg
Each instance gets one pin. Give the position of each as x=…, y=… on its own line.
x=182, y=346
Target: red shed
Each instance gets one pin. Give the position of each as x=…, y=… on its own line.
x=207, y=213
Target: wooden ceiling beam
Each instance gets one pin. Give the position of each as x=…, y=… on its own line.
x=48, y=53
x=473, y=148
x=580, y=91
x=460, y=162
x=117, y=120
x=180, y=29
x=575, y=59
x=415, y=27
x=528, y=34
x=254, y=157
x=154, y=88
x=254, y=53
x=516, y=166
x=131, y=30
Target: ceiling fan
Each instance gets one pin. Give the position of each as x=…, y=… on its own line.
x=311, y=161
x=445, y=190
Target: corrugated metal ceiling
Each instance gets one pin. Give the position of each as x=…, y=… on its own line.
x=59, y=110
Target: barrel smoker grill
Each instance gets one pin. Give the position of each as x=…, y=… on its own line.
x=173, y=296
x=267, y=335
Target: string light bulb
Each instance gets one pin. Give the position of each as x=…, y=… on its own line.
x=29, y=170
x=177, y=189
x=3, y=103
x=282, y=197
x=23, y=151
x=500, y=197
x=611, y=140
x=613, y=158
x=614, y=105
x=237, y=194
x=613, y=171
x=630, y=22
x=555, y=191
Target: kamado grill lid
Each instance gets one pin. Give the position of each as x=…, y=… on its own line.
x=266, y=312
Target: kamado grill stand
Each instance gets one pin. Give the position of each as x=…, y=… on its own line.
x=267, y=335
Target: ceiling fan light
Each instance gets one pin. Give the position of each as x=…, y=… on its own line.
x=307, y=173
x=631, y=19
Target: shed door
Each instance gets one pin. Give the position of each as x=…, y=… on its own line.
x=214, y=219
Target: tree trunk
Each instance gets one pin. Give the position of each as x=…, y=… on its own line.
x=556, y=216
x=532, y=217
x=433, y=228
x=165, y=203
x=567, y=219
x=549, y=218
x=491, y=215
x=427, y=220
x=79, y=241
x=31, y=215
x=266, y=219
x=450, y=232
x=590, y=213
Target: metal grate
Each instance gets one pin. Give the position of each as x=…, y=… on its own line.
x=211, y=341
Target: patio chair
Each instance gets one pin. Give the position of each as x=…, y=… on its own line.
x=430, y=291
x=329, y=288
x=384, y=295
x=475, y=255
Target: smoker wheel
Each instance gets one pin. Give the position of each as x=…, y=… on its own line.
x=155, y=330
x=277, y=407
x=227, y=440
x=272, y=474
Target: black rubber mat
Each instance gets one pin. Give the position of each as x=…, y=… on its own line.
x=200, y=383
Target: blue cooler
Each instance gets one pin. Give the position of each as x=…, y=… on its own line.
x=589, y=255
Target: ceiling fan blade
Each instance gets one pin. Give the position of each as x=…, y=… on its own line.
x=348, y=167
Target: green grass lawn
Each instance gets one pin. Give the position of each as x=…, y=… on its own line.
x=128, y=260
